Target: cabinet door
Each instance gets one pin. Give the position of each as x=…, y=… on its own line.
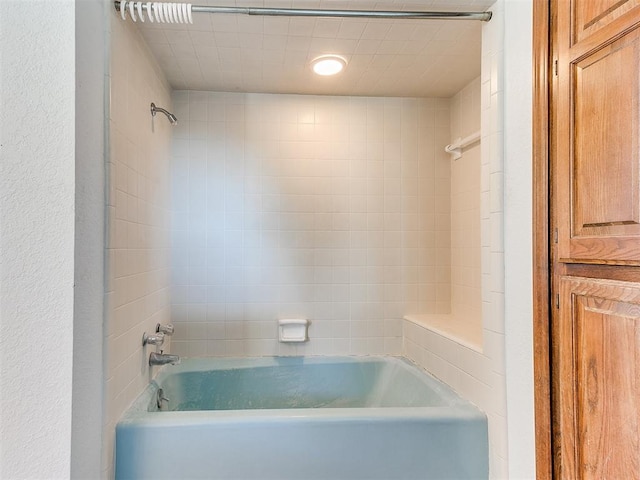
x=590, y=16
x=598, y=344
x=595, y=203
x=597, y=132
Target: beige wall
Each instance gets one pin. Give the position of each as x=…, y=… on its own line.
x=334, y=209
x=466, y=301
x=138, y=216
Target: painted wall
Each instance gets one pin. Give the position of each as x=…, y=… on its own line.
x=137, y=252
x=90, y=114
x=518, y=221
x=334, y=209
x=37, y=94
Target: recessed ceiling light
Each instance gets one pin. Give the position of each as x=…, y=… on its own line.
x=328, y=64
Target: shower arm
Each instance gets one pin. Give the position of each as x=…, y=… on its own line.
x=172, y=118
x=300, y=12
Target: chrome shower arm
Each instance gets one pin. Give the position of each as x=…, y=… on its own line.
x=172, y=118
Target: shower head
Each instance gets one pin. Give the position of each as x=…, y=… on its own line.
x=172, y=118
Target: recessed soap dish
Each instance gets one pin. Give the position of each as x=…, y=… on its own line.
x=293, y=330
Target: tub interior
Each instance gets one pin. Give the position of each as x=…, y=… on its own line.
x=313, y=418
x=294, y=383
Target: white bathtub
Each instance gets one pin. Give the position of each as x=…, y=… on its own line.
x=301, y=418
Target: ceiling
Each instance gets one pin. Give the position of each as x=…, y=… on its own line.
x=242, y=53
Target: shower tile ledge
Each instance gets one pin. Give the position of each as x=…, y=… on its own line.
x=459, y=330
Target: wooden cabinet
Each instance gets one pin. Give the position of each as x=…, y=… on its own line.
x=598, y=132
x=588, y=17
x=598, y=339
x=594, y=244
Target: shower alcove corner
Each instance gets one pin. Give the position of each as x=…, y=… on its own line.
x=465, y=331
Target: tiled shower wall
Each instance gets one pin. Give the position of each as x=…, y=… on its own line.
x=479, y=374
x=279, y=213
x=466, y=299
x=334, y=209
x=138, y=216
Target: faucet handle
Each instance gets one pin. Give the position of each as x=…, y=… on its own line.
x=166, y=329
x=153, y=339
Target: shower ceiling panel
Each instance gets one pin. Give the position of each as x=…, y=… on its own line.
x=241, y=53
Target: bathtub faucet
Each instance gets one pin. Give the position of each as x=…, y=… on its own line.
x=163, y=359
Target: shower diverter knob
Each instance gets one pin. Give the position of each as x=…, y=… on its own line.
x=166, y=329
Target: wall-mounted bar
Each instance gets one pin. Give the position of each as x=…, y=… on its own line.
x=455, y=148
x=166, y=12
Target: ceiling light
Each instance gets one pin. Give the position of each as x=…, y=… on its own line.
x=328, y=64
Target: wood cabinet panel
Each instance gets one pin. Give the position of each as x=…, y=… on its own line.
x=589, y=17
x=599, y=154
x=606, y=141
x=599, y=338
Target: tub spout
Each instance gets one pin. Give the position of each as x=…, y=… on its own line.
x=163, y=359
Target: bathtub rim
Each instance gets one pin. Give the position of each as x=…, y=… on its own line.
x=456, y=407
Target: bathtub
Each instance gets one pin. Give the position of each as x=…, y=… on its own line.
x=300, y=418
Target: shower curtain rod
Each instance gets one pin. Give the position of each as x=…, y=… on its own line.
x=300, y=12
